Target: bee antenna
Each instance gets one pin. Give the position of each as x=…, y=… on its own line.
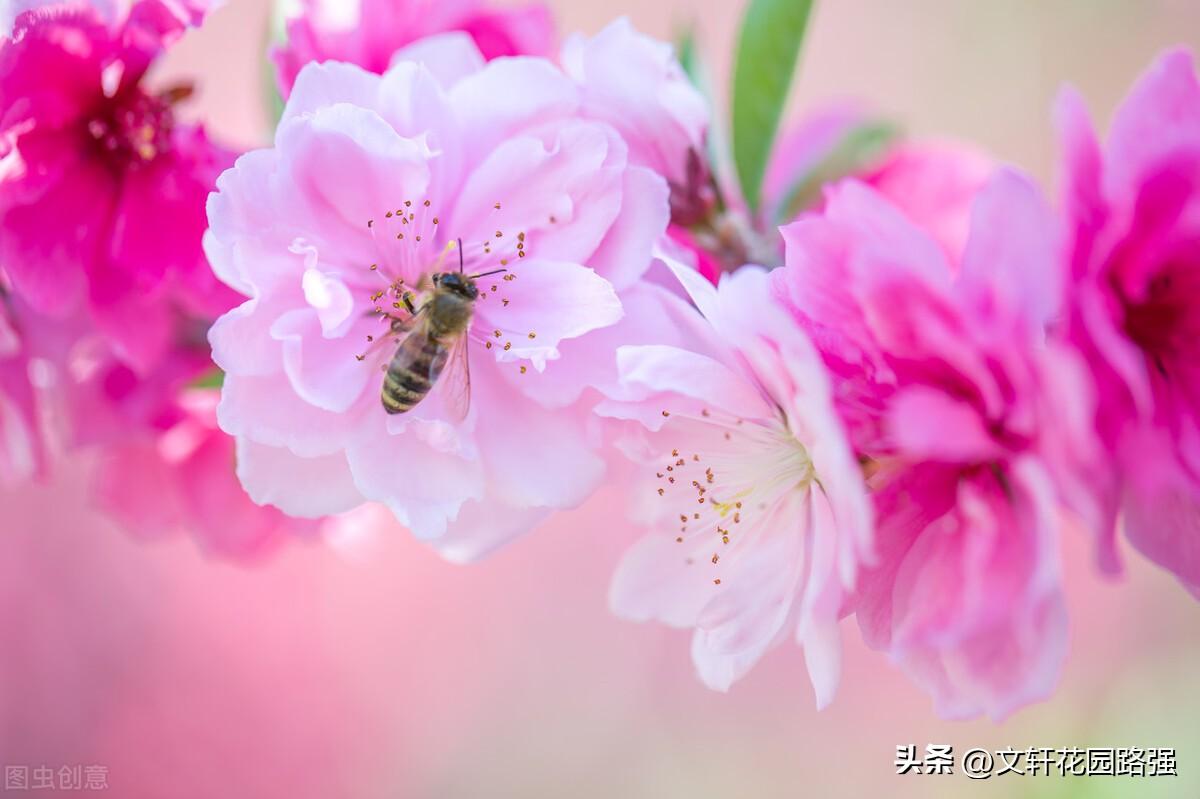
x=485, y=274
x=460, y=257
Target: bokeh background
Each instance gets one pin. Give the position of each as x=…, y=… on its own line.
x=369, y=668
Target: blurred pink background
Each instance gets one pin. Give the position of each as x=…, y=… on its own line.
x=373, y=669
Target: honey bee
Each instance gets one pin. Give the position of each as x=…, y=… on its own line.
x=434, y=346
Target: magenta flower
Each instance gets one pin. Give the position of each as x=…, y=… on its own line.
x=140, y=18
x=1134, y=218
x=934, y=184
x=370, y=32
x=101, y=208
x=758, y=513
x=371, y=185
x=967, y=425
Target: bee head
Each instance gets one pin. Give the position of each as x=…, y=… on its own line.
x=456, y=283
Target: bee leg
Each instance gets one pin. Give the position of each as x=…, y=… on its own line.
x=406, y=298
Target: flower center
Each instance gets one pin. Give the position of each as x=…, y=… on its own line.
x=412, y=246
x=727, y=476
x=133, y=127
x=1165, y=324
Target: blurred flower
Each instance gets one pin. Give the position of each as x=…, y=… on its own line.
x=759, y=513
x=967, y=424
x=182, y=479
x=1134, y=218
x=371, y=182
x=102, y=207
x=106, y=293
x=934, y=183
x=167, y=17
x=21, y=448
x=370, y=32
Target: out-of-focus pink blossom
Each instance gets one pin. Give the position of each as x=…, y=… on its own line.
x=757, y=506
x=974, y=432
x=1134, y=219
x=370, y=32
x=21, y=448
x=934, y=183
x=182, y=479
x=634, y=83
x=101, y=190
x=371, y=182
x=164, y=17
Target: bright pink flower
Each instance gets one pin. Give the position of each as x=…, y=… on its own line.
x=634, y=83
x=973, y=431
x=759, y=515
x=370, y=32
x=371, y=181
x=148, y=17
x=1134, y=217
x=101, y=191
x=934, y=184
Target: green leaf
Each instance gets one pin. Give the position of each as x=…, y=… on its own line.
x=685, y=47
x=768, y=46
x=854, y=152
x=213, y=379
x=275, y=34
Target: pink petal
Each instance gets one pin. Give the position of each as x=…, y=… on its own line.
x=1160, y=116
x=492, y=112
x=624, y=255
x=925, y=423
x=550, y=302
x=1012, y=256
x=349, y=166
x=660, y=368
x=535, y=457
x=423, y=487
x=1082, y=197
x=321, y=85
x=450, y=56
x=271, y=476
x=568, y=196
x=656, y=582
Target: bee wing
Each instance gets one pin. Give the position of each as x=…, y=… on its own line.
x=455, y=380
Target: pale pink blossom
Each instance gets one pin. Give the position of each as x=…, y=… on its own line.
x=372, y=181
x=975, y=432
x=370, y=32
x=757, y=511
x=101, y=190
x=1134, y=216
x=635, y=83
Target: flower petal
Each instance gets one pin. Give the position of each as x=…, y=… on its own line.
x=306, y=487
x=550, y=302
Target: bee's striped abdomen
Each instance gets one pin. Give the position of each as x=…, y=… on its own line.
x=412, y=372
